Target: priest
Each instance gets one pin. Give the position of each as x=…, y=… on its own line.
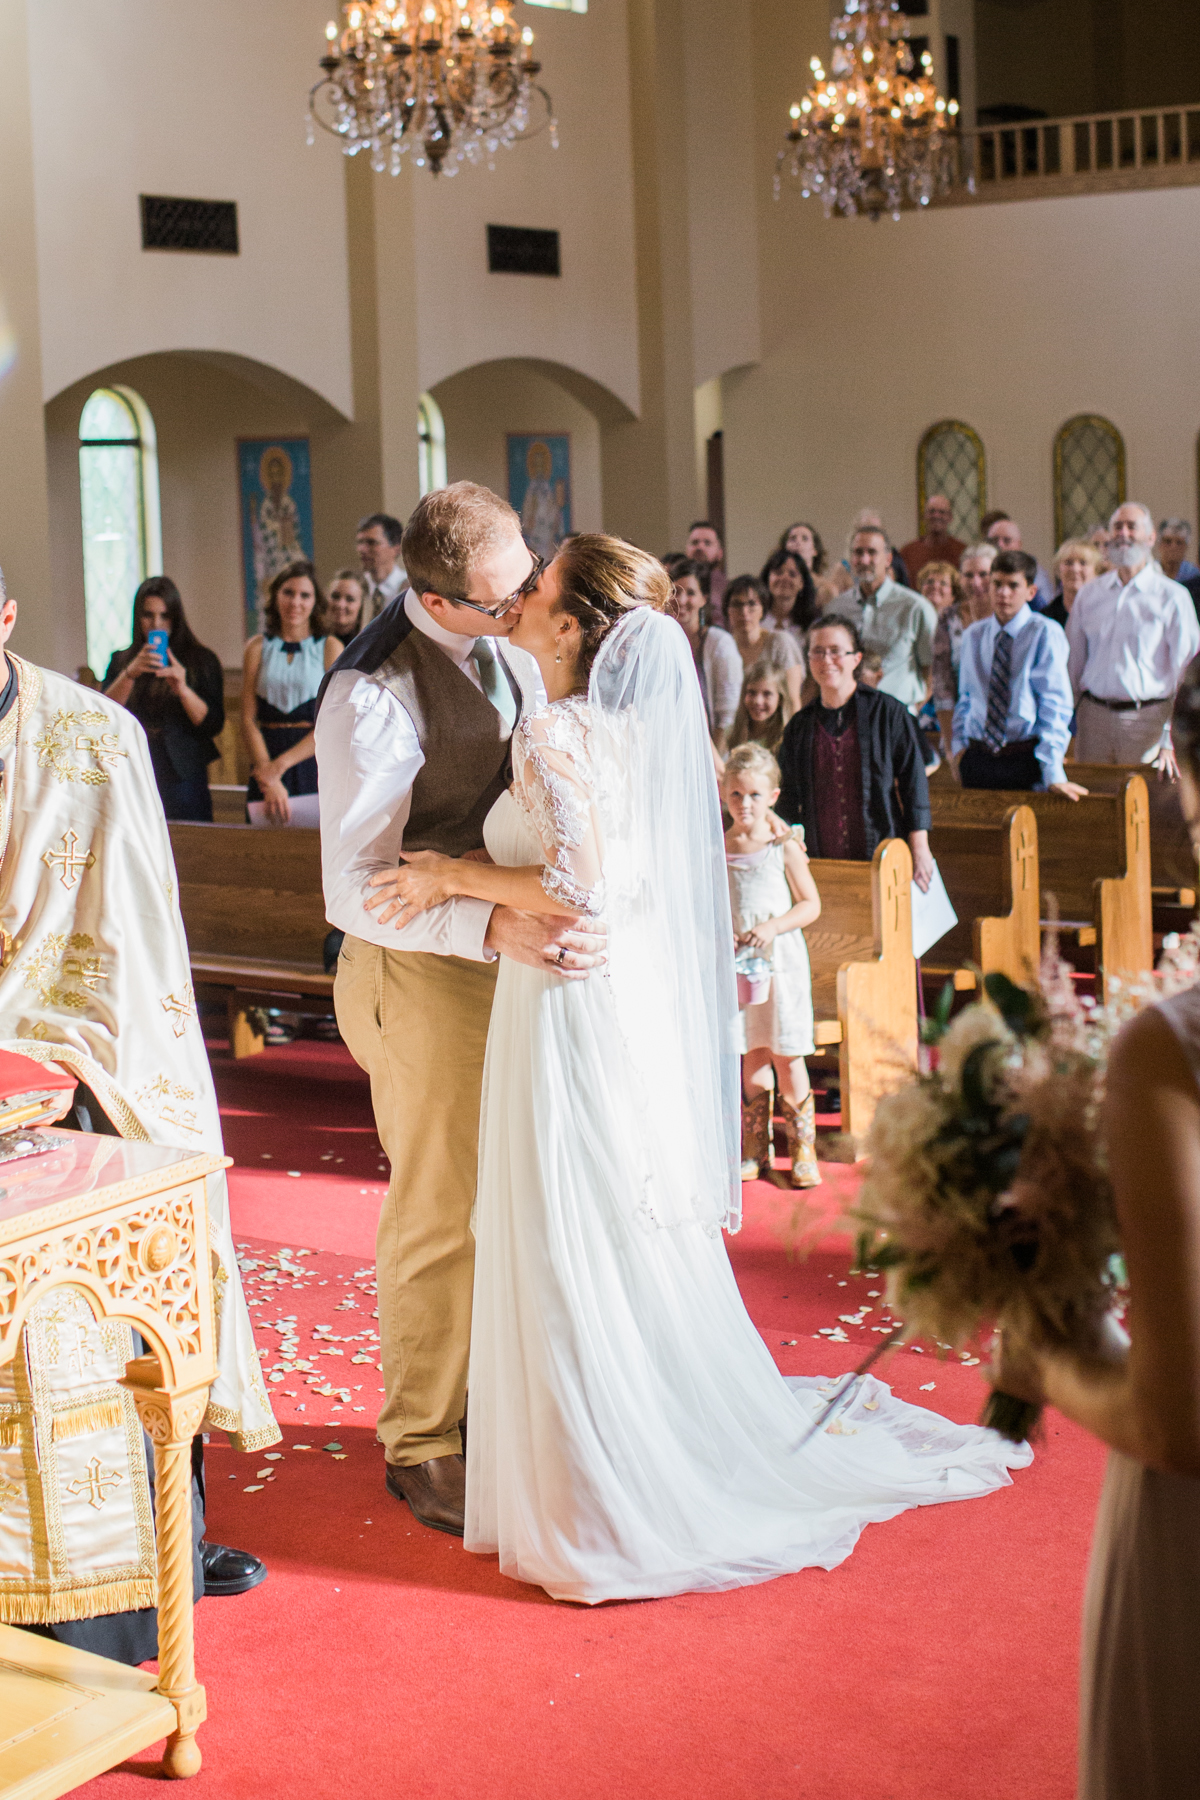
x=94, y=977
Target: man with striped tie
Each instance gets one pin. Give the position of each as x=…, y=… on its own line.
x=1012, y=723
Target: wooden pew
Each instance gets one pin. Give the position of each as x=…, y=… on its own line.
x=865, y=981
x=1173, y=864
x=1094, y=858
x=990, y=868
x=254, y=914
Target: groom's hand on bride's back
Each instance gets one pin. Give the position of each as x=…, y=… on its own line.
x=569, y=947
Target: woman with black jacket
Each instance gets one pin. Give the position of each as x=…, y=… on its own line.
x=851, y=762
x=180, y=702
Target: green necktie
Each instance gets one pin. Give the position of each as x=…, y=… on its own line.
x=495, y=682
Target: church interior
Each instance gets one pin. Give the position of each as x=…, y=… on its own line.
x=227, y=343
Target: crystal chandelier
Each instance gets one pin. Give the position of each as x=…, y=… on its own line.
x=871, y=134
x=452, y=82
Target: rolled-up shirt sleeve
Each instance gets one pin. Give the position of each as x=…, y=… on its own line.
x=368, y=758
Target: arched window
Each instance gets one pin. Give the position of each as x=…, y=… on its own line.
x=431, y=434
x=950, y=461
x=1089, y=475
x=122, y=526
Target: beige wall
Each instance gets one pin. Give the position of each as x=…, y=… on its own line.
x=204, y=102
x=584, y=319
x=481, y=405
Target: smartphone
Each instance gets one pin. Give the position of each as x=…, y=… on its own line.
x=158, y=641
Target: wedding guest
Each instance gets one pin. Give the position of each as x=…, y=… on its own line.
x=852, y=761
x=793, y=600
x=1171, y=549
x=1005, y=533
x=765, y=708
x=746, y=602
x=773, y=896
x=179, y=700
x=377, y=542
x=936, y=545
x=281, y=673
x=805, y=540
x=1099, y=535
x=942, y=586
x=1012, y=722
x=1132, y=633
x=867, y=519
x=1140, y=1726
x=975, y=580
x=892, y=620
x=346, y=603
x=1076, y=563
x=718, y=665
x=706, y=550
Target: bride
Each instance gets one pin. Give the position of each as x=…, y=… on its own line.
x=630, y=1434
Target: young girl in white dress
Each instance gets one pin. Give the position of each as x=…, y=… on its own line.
x=630, y=1433
x=773, y=896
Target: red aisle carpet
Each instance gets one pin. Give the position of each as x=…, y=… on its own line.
x=938, y=1663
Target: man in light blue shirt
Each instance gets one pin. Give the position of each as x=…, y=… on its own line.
x=895, y=623
x=1012, y=723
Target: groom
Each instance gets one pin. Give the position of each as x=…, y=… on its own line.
x=413, y=732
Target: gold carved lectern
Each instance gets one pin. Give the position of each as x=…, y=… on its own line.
x=126, y=1225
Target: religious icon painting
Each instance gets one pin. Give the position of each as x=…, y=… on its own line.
x=275, y=484
x=539, y=487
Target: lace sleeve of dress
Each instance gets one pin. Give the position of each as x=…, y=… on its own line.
x=554, y=787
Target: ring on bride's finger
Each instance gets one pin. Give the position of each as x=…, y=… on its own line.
x=561, y=958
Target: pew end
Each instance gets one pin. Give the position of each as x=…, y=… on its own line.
x=864, y=983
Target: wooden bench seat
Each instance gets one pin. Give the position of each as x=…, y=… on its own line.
x=1174, y=873
x=990, y=868
x=865, y=981
x=254, y=913
x=1093, y=865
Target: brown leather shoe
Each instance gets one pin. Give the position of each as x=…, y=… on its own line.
x=435, y=1490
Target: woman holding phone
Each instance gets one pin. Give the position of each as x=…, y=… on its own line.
x=175, y=688
x=281, y=673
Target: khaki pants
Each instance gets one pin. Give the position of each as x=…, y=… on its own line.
x=418, y=1025
x=1104, y=736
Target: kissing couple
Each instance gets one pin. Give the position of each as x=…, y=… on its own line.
x=522, y=841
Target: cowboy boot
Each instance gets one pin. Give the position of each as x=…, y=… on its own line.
x=801, y=1123
x=756, y=1135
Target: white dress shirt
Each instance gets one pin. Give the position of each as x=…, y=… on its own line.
x=369, y=757
x=380, y=593
x=1132, y=642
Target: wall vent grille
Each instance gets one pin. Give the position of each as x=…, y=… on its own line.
x=520, y=250
x=206, y=225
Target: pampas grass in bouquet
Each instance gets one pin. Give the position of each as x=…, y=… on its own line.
x=987, y=1200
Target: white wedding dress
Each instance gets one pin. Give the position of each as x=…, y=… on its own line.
x=630, y=1435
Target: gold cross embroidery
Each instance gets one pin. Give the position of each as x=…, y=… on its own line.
x=95, y=1483
x=102, y=749
x=68, y=860
x=179, y=1008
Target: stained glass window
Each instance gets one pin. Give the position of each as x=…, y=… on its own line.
x=950, y=461
x=122, y=532
x=431, y=435
x=1089, y=475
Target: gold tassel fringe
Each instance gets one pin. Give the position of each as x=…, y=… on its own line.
x=100, y=1415
x=10, y=1431
x=27, y=1608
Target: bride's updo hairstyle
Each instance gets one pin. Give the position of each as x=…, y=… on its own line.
x=602, y=578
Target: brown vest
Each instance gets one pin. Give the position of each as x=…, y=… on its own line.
x=467, y=764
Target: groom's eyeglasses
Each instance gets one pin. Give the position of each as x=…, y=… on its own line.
x=502, y=606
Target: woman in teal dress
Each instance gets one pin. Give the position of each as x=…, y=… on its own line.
x=282, y=671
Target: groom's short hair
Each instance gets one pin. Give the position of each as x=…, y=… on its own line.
x=449, y=532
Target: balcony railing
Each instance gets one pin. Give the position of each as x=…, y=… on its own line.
x=1098, y=153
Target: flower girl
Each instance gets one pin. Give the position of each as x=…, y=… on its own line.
x=773, y=896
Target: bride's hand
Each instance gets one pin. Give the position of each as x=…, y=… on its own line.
x=423, y=879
